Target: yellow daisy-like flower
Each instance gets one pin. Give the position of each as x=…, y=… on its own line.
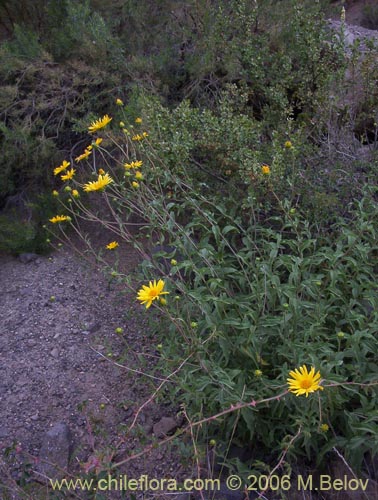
x=60, y=218
x=145, y=134
x=100, y=184
x=68, y=175
x=99, y=124
x=302, y=381
x=149, y=293
x=137, y=137
x=98, y=141
x=61, y=167
x=324, y=427
x=112, y=245
x=119, y=102
x=135, y=184
x=265, y=169
x=258, y=373
x=75, y=193
x=133, y=164
x=138, y=120
x=288, y=145
x=139, y=175
x=86, y=153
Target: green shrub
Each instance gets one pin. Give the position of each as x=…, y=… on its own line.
x=255, y=289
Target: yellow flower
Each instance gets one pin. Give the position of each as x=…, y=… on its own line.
x=121, y=124
x=147, y=294
x=119, y=102
x=137, y=137
x=303, y=381
x=101, y=171
x=145, y=134
x=60, y=218
x=68, y=175
x=133, y=164
x=86, y=153
x=112, y=245
x=138, y=120
x=89, y=148
x=139, y=175
x=324, y=427
x=265, y=169
x=55, y=193
x=98, y=141
x=61, y=167
x=99, y=124
x=75, y=193
x=173, y=262
x=135, y=184
x=288, y=145
x=99, y=185
x=258, y=373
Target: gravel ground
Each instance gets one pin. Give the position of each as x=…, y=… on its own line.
x=58, y=349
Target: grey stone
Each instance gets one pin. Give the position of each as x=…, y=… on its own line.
x=25, y=258
x=55, y=353
x=55, y=451
x=165, y=426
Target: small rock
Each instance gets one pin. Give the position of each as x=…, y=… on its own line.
x=55, y=353
x=165, y=426
x=25, y=258
x=55, y=451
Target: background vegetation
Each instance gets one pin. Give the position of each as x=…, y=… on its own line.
x=270, y=271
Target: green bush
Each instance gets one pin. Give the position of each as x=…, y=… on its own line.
x=255, y=288
x=270, y=297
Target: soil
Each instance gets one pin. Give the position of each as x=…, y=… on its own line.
x=62, y=361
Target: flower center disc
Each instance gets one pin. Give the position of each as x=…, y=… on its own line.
x=306, y=383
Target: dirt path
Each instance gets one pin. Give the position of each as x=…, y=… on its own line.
x=55, y=312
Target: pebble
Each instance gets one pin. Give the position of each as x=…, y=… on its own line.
x=55, y=353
